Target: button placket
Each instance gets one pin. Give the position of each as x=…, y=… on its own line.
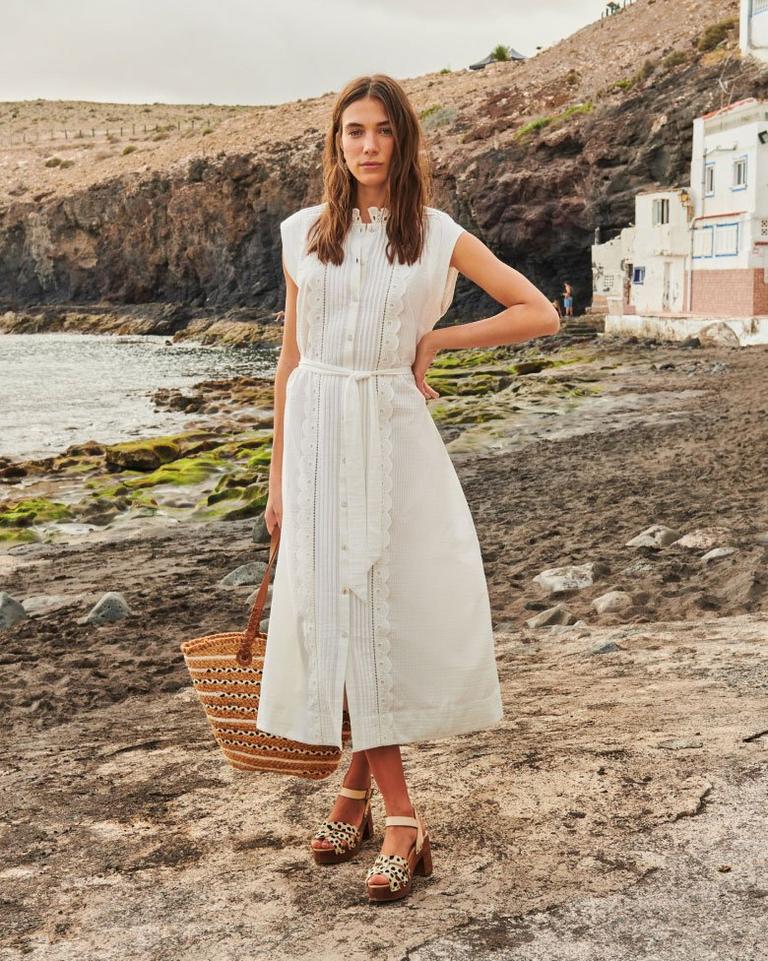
x=348, y=353
x=355, y=292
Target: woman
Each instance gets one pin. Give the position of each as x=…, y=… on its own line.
x=379, y=601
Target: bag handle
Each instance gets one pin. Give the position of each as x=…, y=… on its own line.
x=245, y=652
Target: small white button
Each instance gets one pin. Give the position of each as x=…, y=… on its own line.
x=343, y=503
x=343, y=547
x=349, y=336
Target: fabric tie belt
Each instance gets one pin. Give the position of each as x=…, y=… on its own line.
x=363, y=541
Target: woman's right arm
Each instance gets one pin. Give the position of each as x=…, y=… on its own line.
x=289, y=358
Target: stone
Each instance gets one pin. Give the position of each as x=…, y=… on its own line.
x=110, y=608
x=259, y=532
x=39, y=605
x=703, y=538
x=552, y=615
x=605, y=647
x=656, y=536
x=250, y=573
x=573, y=577
x=718, y=335
x=10, y=611
x=612, y=602
x=679, y=743
x=717, y=552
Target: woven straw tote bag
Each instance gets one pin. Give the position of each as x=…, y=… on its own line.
x=226, y=673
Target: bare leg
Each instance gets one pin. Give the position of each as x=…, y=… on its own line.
x=349, y=809
x=386, y=764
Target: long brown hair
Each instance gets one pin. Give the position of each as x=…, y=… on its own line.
x=409, y=185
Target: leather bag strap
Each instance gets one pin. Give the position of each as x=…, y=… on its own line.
x=245, y=653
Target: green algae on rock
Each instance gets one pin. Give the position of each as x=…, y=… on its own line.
x=33, y=510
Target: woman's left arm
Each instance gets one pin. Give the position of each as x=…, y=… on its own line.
x=528, y=313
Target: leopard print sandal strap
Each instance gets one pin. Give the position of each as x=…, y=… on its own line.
x=344, y=837
x=394, y=868
x=341, y=834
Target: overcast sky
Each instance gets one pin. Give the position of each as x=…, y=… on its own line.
x=255, y=51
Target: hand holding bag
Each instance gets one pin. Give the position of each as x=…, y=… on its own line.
x=226, y=671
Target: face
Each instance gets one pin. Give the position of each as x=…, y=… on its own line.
x=367, y=141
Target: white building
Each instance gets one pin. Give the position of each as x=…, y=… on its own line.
x=700, y=254
x=753, y=28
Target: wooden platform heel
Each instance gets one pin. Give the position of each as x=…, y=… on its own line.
x=400, y=871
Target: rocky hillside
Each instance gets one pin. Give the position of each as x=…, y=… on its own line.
x=531, y=156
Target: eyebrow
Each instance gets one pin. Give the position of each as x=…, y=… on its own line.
x=354, y=123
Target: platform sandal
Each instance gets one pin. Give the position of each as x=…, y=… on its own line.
x=347, y=839
x=399, y=870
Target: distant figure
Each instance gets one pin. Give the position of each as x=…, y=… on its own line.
x=567, y=299
x=556, y=304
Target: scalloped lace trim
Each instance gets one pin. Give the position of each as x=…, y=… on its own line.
x=305, y=548
x=378, y=215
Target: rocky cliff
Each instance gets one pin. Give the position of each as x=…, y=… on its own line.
x=530, y=156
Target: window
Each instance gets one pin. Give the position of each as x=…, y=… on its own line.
x=739, y=173
x=726, y=240
x=638, y=275
x=660, y=211
x=702, y=241
x=709, y=179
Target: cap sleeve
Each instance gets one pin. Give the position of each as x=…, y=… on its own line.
x=449, y=233
x=290, y=234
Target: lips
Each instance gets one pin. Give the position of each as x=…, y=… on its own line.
x=370, y=165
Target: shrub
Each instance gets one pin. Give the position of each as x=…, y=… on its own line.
x=538, y=124
x=714, y=35
x=437, y=116
x=53, y=162
x=674, y=59
x=129, y=149
x=500, y=52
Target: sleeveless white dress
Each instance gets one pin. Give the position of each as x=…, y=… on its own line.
x=379, y=585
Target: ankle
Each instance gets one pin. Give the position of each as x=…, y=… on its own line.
x=358, y=781
x=399, y=808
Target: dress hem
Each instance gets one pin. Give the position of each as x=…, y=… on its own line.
x=409, y=727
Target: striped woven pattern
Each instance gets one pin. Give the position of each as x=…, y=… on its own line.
x=226, y=671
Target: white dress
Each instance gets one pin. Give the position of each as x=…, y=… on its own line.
x=379, y=583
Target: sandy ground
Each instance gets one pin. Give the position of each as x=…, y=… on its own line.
x=616, y=812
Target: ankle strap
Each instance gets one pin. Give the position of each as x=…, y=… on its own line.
x=397, y=820
x=354, y=792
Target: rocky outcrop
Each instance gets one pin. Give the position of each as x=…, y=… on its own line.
x=533, y=171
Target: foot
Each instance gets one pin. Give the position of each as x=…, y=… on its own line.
x=398, y=839
x=346, y=809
